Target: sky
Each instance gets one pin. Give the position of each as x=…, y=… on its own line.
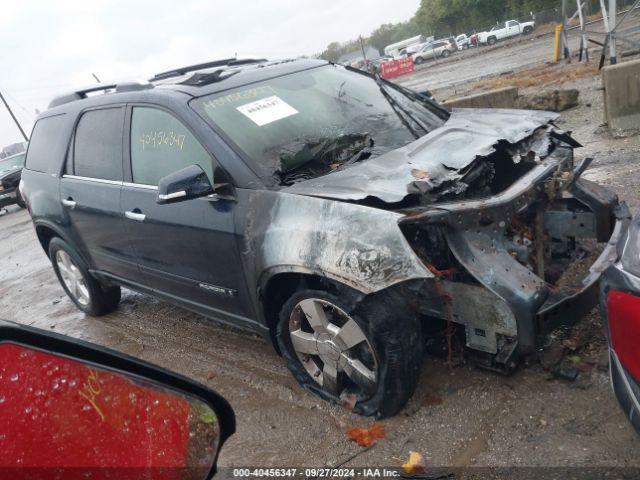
x=52, y=46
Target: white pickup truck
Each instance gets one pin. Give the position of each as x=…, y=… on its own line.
x=507, y=29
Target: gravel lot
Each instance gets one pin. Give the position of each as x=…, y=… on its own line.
x=517, y=53
x=459, y=417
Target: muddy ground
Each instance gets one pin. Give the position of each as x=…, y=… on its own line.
x=459, y=416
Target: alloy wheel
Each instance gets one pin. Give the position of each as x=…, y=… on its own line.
x=72, y=278
x=333, y=349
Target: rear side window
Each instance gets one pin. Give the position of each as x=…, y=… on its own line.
x=97, y=149
x=161, y=144
x=46, y=135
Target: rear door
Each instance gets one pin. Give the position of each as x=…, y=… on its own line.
x=187, y=250
x=90, y=192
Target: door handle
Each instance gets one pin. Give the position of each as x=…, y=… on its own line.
x=69, y=202
x=135, y=215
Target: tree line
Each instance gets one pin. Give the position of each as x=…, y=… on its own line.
x=442, y=18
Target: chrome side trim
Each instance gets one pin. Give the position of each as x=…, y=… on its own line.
x=96, y=180
x=229, y=292
x=111, y=182
x=173, y=195
x=139, y=185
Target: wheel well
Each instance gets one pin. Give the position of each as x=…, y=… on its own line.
x=281, y=287
x=45, y=234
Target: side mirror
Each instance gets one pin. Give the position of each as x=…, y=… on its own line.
x=80, y=410
x=186, y=184
x=222, y=188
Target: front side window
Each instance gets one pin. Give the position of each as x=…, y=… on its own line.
x=513, y=24
x=97, y=148
x=161, y=145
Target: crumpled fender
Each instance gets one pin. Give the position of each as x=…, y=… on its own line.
x=358, y=246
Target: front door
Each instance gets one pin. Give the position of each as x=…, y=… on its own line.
x=187, y=250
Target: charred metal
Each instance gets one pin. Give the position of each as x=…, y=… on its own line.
x=484, y=223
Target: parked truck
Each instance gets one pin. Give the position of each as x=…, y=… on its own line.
x=508, y=29
x=401, y=48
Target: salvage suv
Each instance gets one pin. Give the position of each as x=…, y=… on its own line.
x=341, y=216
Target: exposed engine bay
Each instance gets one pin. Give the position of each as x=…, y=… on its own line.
x=529, y=230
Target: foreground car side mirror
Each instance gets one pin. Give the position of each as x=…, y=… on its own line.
x=186, y=184
x=70, y=406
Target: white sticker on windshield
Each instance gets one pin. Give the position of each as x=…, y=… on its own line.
x=267, y=110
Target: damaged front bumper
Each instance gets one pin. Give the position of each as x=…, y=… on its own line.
x=508, y=301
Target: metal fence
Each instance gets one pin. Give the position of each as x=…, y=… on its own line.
x=591, y=8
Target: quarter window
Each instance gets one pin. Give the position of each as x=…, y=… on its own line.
x=161, y=145
x=45, y=141
x=97, y=150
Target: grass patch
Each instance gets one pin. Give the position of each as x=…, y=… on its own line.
x=545, y=75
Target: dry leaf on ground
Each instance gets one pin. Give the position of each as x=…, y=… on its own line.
x=365, y=437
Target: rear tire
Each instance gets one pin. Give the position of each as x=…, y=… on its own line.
x=86, y=292
x=390, y=345
x=446, y=53
x=527, y=30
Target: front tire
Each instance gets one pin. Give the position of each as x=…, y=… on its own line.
x=86, y=292
x=370, y=348
x=491, y=41
x=418, y=61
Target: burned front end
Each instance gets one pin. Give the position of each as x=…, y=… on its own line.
x=522, y=238
x=485, y=224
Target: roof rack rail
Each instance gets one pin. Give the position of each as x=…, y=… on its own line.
x=227, y=62
x=82, y=93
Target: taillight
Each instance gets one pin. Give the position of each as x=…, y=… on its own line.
x=623, y=311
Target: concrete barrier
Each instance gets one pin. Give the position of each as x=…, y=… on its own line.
x=552, y=101
x=622, y=96
x=500, y=98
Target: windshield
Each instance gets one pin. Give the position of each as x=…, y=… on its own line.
x=10, y=163
x=311, y=123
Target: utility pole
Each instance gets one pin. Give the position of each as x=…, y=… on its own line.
x=364, y=55
x=612, y=31
x=566, y=52
x=584, y=45
x=26, y=139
